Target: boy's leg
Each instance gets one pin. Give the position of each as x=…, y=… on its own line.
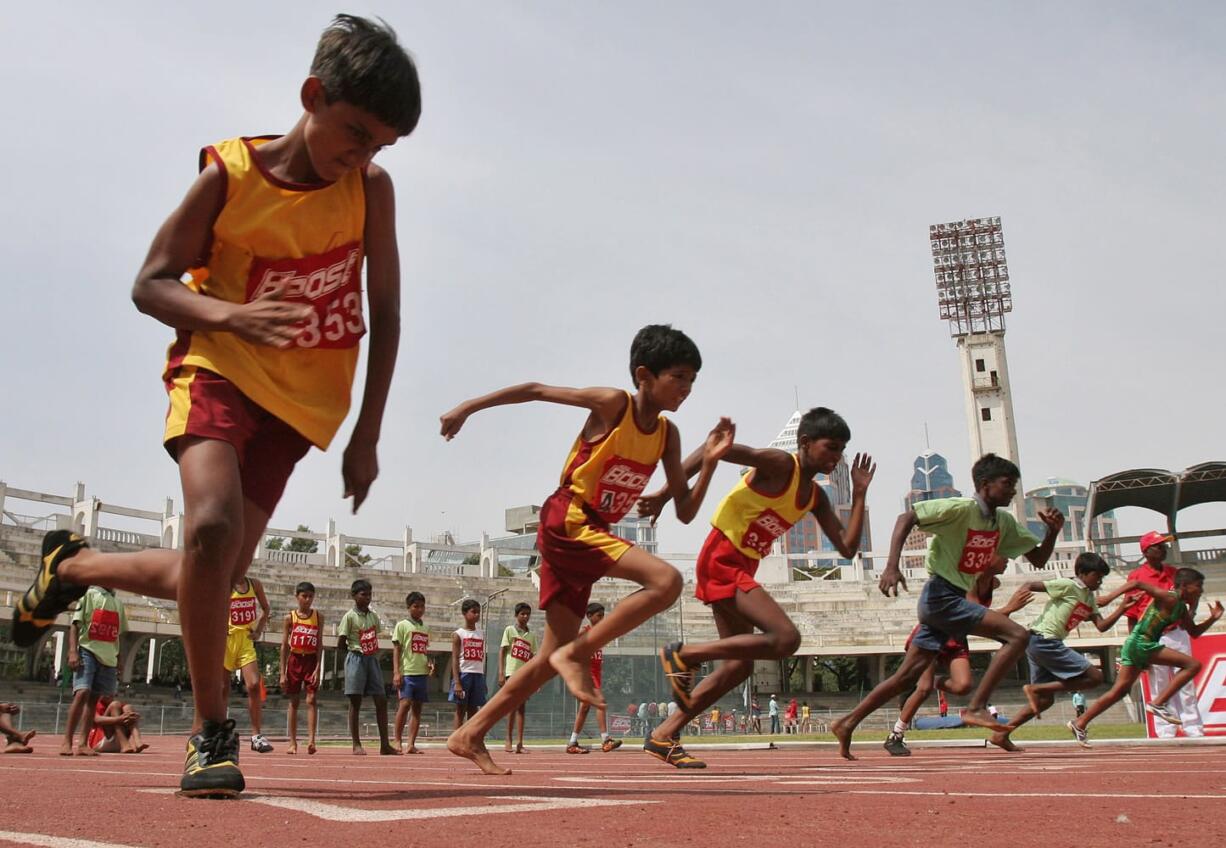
x=75, y=713
x=414, y=724
x=355, y=705
x=402, y=714
x=87, y=725
x=924, y=687
x=293, y=723
x=385, y=746
x=960, y=679
x=561, y=625
x=312, y=719
x=510, y=729
x=254, y=684
x=661, y=586
x=1127, y=676
x=153, y=572
x=1014, y=639
x=916, y=660
x=523, y=718
x=1188, y=667
x=459, y=716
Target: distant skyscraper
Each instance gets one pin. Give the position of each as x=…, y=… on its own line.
x=1070, y=498
x=930, y=479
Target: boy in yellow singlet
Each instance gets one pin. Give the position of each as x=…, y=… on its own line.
x=300, y=666
x=776, y=493
x=610, y=463
x=249, y=611
x=271, y=239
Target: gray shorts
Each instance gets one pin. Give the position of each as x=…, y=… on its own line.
x=1051, y=660
x=944, y=614
x=363, y=675
x=93, y=676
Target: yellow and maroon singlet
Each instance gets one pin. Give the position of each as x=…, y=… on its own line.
x=304, y=633
x=752, y=521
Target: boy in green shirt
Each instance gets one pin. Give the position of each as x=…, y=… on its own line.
x=93, y=656
x=968, y=534
x=359, y=635
x=412, y=668
x=518, y=646
x=1142, y=649
x=1054, y=666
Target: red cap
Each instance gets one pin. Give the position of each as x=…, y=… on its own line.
x=1155, y=538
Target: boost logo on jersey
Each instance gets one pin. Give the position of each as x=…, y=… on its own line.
x=978, y=551
x=620, y=486
x=328, y=282
x=765, y=529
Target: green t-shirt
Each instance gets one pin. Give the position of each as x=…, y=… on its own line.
x=523, y=647
x=1069, y=603
x=964, y=541
x=413, y=637
x=100, y=621
x=361, y=631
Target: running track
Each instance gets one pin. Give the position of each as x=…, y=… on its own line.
x=1049, y=796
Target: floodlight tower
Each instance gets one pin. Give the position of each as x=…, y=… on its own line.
x=968, y=259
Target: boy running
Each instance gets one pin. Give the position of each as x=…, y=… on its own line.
x=300, y=667
x=968, y=535
x=595, y=612
x=272, y=235
x=776, y=493
x=1054, y=666
x=246, y=627
x=358, y=635
x=623, y=439
x=1142, y=649
x=518, y=647
x=412, y=669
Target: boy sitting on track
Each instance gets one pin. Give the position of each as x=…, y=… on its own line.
x=1142, y=648
x=300, y=667
x=623, y=439
x=595, y=612
x=116, y=728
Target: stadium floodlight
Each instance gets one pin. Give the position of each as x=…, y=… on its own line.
x=972, y=276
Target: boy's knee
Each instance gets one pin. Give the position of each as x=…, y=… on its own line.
x=1195, y=667
x=1046, y=699
x=669, y=583
x=213, y=528
x=1094, y=676
x=959, y=687
x=786, y=642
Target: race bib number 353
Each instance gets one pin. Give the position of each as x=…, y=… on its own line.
x=328, y=282
x=978, y=552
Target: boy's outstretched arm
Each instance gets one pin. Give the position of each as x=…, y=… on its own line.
x=1054, y=520
x=360, y=463
x=687, y=500
x=892, y=577
x=1123, y=588
x=606, y=404
x=1105, y=623
x=771, y=464
x=182, y=243
x=847, y=539
x=1197, y=630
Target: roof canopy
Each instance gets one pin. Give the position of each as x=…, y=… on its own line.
x=1165, y=492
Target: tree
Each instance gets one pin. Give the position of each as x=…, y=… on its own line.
x=472, y=559
x=302, y=546
x=354, y=556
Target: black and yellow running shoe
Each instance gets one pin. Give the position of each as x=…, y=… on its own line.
x=48, y=596
x=211, y=767
x=671, y=752
x=679, y=675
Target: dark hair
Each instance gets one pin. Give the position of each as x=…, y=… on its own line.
x=470, y=604
x=990, y=466
x=594, y=608
x=360, y=585
x=521, y=606
x=822, y=423
x=1184, y=576
x=360, y=62
x=1091, y=563
x=414, y=598
x=659, y=346
x=304, y=586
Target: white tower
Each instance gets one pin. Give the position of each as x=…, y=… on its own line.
x=972, y=276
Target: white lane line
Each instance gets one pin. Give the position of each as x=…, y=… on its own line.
x=47, y=841
x=785, y=779
x=1149, y=796
x=529, y=804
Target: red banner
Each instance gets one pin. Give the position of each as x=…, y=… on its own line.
x=1210, y=685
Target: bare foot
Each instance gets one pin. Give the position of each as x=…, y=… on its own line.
x=17, y=748
x=461, y=746
x=24, y=738
x=311, y=748
x=388, y=751
x=520, y=749
x=412, y=751
x=141, y=747
x=292, y=749
x=842, y=733
x=980, y=718
x=1032, y=698
x=1001, y=740
x=508, y=748
x=66, y=749
x=128, y=750
x=577, y=677
x=84, y=751
x=359, y=751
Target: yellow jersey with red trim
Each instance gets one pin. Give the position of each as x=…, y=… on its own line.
x=609, y=474
x=304, y=633
x=304, y=241
x=752, y=521
x=244, y=608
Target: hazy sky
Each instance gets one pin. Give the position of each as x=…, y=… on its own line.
x=760, y=175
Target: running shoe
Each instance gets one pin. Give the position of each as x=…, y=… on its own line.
x=1164, y=712
x=896, y=745
x=610, y=744
x=48, y=596
x=671, y=752
x=1083, y=738
x=211, y=767
x=260, y=743
x=679, y=675
x=578, y=749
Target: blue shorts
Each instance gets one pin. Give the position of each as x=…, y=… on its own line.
x=363, y=675
x=1051, y=660
x=944, y=614
x=473, y=684
x=93, y=676
x=413, y=688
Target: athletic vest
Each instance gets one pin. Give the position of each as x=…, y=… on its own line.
x=305, y=241
x=609, y=474
x=244, y=608
x=1155, y=622
x=304, y=633
x=753, y=521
